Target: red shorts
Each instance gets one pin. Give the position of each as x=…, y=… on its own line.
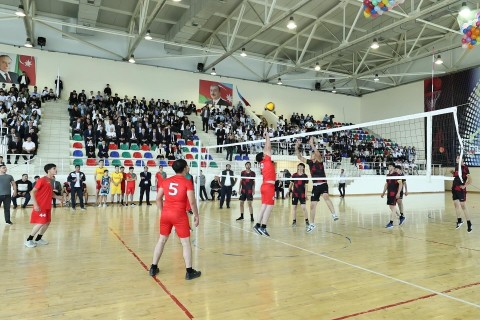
x=130, y=189
x=122, y=184
x=177, y=220
x=268, y=193
x=41, y=217
x=99, y=185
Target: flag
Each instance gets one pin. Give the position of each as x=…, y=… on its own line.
x=242, y=98
x=57, y=89
x=27, y=64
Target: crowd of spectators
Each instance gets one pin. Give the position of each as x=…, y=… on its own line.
x=20, y=114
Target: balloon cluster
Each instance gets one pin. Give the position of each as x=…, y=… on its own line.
x=375, y=8
x=471, y=32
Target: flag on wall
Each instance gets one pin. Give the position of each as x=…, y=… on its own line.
x=27, y=64
x=242, y=98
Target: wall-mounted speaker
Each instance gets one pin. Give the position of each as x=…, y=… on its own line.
x=41, y=41
x=200, y=67
x=317, y=86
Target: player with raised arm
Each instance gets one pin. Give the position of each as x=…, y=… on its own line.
x=320, y=185
x=394, y=186
x=178, y=191
x=267, y=189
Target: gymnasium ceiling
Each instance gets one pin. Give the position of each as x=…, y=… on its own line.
x=333, y=33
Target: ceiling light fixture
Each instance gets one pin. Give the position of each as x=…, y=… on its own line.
x=148, y=36
x=465, y=10
x=177, y=0
x=374, y=44
x=28, y=43
x=291, y=24
x=20, y=11
x=439, y=60
x=334, y=90
x=279, y=81
x=243, y=54
x=213, y=73
x=317, y=67
x=132, y=59
x=376, y=78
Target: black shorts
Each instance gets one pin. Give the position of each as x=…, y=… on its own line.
x=317, y=191
x=392, y=200
x=245, y=196
x=295, y=201
x=460, y=195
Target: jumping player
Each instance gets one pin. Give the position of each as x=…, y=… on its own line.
x=178, y=191
x=394, y=186
x=459, y=193
x=268, y=186
x=42, y=194
x=320, y=186
x=297, y=189
x=246, y=190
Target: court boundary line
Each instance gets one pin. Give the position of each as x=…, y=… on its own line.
x=356, y=266
x=164, y=288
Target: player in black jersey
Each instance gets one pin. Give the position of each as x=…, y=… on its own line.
x=459, y=193
x=320, y=186
x=298, y=190
x=403, y=192
x=394, y=186
x=246, y=190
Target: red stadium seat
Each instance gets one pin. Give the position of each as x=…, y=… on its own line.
x=91, y=162
x=128, y=163
x=189, y=156
x=112, y=146
x=204, y=150
x=190, y=143
x=145, y=147
x=151, y=163
x=137, y=155
x=203, y=164
x=78, y=145
x=170, y=163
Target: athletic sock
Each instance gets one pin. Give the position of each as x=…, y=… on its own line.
x=257, y=225
x=469, y=223
x=251, y=216
x=30, y=238
x=459, y=220
x=264, y=226
x=294, y=221
x=153, y=266
x=306, y=221
x=189, y=270
x=241, y=215
x=391, y=221
x=401, y=214
x=39, y=236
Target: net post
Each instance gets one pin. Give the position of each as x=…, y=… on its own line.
x=460, y=142
x=199, y=163
x=428, y=152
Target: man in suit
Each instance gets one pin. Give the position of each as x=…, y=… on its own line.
x=89, y=135
x=227, y=183
x=76, y=179
x=6, y=75
x=23, y=80
x=145, y=184
x=77, y=126
x=14, y=147
x=216, y=95
x=221, y=134
x=103, y=150
x=205, y=116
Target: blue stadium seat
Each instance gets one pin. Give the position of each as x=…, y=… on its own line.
x=238, y=157
x=163, y=163
x=148, y=155
x=78, y=153
x=140, y=163
x=114, y=154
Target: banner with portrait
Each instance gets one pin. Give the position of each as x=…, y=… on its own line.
x=13, y=65
x=215, y=93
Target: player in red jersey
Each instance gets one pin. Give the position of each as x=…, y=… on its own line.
x=394, y=186
x=178, y=191
x=247, y=190
x=268, y=186
x=320, y=186
x=298, y=190
x=130, y=188
x=459, y=193
x=159, y=177
x=42, y=194
x=122, y=184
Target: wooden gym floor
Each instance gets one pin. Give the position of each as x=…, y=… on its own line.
x=95, y=265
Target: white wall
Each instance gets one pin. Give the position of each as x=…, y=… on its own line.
x=79, y=72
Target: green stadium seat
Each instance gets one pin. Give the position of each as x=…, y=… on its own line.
x=126, y=154
x=78, y=162
x=116, y=162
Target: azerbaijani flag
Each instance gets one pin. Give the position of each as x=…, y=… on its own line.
x=242, y=98
x=27, y=64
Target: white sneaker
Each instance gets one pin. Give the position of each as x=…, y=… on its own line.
x=83, y=209
x=132, y=205
x=334, y=216
x=311, y=227
x=104, y=205
x=100, y=205
x=30, y=244
x=43, y=242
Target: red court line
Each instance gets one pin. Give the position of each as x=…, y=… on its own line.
x=388, y=306
x=179, y=304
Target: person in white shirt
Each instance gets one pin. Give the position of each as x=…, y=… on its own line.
x=341, y=184
x=29, y=147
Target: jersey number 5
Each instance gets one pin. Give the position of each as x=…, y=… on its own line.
x=172, y=189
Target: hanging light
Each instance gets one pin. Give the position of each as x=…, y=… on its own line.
x=177, y=0
x=213, y=73
x=374, y=44
x=132, y=59
x=334, y=90
x=279, y=81
x=439, y=60
x=20, y=11
x=291, y=24
x=148, y=36
x=465, y=10
x=376, y=78
x=28, y=43
x=243, y=54
x=317, y=67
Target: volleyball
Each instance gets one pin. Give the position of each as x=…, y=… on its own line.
x=270, y=106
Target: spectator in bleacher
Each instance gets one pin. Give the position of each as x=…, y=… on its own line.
x=143, y=137
x=29, y=147
x=14, y=147
x=100, y=135
x=215, y=187
x=103, y=150
x=89, y=134
x=111, y=136
x=121, y=136
x=24, y=186
x=132, y=137
x=230, y=149
x=221, y=134
x=77, y=127
x=107, y=91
